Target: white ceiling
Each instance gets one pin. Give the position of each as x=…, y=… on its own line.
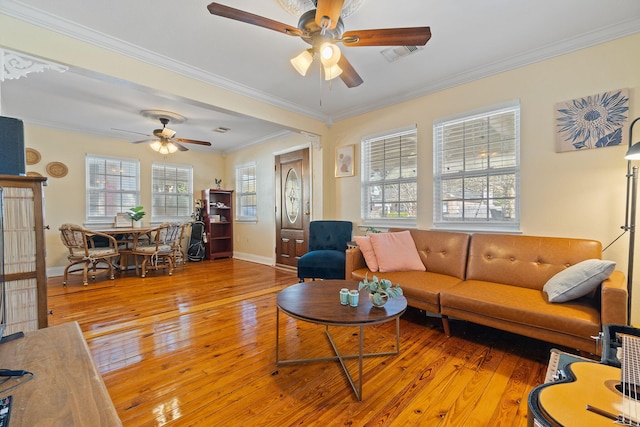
x=471, y=39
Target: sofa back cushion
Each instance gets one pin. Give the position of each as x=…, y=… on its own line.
x=525, y=261
x=441, y=252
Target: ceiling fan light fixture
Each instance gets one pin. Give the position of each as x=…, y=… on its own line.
x=332, y=72
x=303, y=61
x=329, y=54
x=163, y=147
x=156, y=145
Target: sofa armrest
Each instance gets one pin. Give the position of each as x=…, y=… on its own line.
x=614, y=299
x=354, y=261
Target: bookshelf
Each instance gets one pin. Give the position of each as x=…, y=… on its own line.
x=218, y=222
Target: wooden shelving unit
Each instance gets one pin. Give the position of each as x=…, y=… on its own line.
x=218, y=211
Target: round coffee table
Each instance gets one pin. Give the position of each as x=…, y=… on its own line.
x=319, y=302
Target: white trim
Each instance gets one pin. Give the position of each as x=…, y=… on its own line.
x=390, y=133
x=478, y=112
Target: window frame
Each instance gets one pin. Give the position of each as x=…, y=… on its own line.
x=365, y=167
x=242, y=192
x=95, y=219
x=187, y=215
x=490, y=224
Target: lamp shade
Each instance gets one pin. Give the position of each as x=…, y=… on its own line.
x=332, y=72
x=634, y=152
x=163, y=147
x=302, y=62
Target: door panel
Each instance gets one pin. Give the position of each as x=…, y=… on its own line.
x=292, y=206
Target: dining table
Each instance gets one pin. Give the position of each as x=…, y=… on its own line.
x=127, y=238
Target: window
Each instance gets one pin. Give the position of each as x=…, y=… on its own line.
x=389, y=178
x=476, y=170
x=171, y=192
x=113, y=186
x=246, y=203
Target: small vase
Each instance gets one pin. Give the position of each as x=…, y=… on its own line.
x=380, y=301
x=136, y=224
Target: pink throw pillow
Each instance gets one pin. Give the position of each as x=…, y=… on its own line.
x=364, y=243
x=396, y=252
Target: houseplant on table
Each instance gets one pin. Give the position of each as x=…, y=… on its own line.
x=136, y=215
x=380, y=290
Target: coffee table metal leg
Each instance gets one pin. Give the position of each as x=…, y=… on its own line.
x=277, y=335
x=340, y=357
x=357, y=389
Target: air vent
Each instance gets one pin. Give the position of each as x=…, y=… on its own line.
x=394, y=53
x=221, y=129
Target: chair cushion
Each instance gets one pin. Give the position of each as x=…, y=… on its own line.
x=151, y=249
x=322, y=264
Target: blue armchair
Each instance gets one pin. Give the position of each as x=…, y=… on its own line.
x=327, y=246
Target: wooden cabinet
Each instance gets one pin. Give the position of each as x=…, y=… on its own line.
x=218, y=211
x=23, y=249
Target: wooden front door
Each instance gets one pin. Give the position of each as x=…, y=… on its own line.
x=293, y=207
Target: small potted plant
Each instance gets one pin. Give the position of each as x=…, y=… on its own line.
x=380, y=290
x=136, y=215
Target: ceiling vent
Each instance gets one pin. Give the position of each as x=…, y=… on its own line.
x=394, y=53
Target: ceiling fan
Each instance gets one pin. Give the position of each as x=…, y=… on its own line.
x=166, y=142
x=322, y=28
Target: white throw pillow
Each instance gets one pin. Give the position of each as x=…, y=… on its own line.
x=578, y=280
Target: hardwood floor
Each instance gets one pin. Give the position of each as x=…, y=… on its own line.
x=198, y=348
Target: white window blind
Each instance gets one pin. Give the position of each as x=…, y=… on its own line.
x=476, y=170
x=390, y=178
x=112, y=186
x=172, y=192
x=246, y=197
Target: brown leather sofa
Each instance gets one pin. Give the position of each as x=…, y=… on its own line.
x=497, y=279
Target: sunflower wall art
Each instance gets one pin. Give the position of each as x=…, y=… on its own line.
x=594, y=121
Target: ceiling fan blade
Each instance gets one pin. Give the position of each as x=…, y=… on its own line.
x=250, y=18
x=192, y=141
x=330, y=9
x=349, y=75
x=142, y=140
x=131, y=131
x=414, y=36
x=180, y=146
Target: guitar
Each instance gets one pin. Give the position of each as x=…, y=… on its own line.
x=593, y=394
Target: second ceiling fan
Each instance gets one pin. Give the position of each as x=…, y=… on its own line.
x=322, y=28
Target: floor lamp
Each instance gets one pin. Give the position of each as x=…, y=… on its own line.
x=633, y=153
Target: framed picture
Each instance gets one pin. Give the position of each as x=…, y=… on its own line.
x=594, y=121
x=344, y=161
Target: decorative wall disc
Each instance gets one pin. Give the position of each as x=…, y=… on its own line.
x=31, y=173
x=57, y=169
x=33, y=156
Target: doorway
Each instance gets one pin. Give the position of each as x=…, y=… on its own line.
x=293, y=206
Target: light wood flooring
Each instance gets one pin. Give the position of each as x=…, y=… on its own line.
x=198, y=349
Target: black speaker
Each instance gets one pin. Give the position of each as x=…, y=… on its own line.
x=12, y=145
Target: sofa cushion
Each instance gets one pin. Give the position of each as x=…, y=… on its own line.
x=578, y=280
x=364, y=243
x=396, y=252
x=523, y=306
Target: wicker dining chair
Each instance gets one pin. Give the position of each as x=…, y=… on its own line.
x=83, y=252
x=159, y=251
